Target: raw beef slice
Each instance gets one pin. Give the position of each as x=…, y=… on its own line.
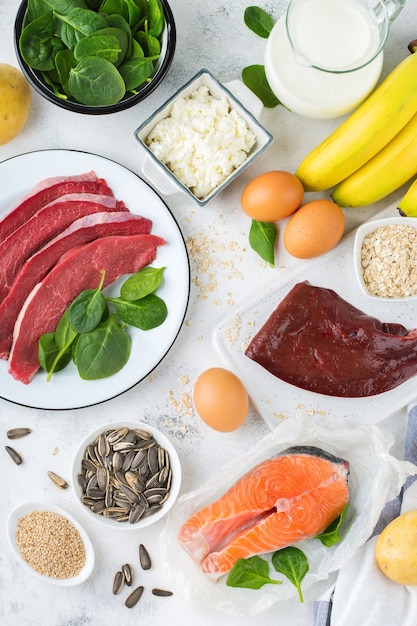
x=77, y=270
x=45, y=192
x=317, y=341
x=81, y=231
x=43, y=226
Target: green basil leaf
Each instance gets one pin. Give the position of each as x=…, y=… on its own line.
x=144, y=282
x=146, y=313
x=251, y=573
x=331, y=535
x=254, y=77
x=291, y=562
x=103, y=351
x=262, y=236
x=259, y=21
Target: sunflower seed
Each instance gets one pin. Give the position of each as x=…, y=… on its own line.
x=161, y=592
x=134, y=597
x=117, y=435
x=103, y=478
x=118, y=582
x=17, y=433
x=144, y=558
x=136, y=512
x=15, y=456
x=103, y=446
x=57, y=480
x=128, y=574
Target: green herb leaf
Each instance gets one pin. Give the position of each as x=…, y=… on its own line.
x=259, y=21
x=96, y=82
x=51, y=357
x=251, y=573
x=144, y=282
x=262, y=236
x=331, y=535
x=146, y=313
x=255, y=79
x=293, y=563
x=103, y=351
x=87, y=309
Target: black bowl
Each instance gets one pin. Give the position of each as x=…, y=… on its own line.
x=35, y=78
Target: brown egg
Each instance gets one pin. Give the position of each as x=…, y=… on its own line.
x=314, y=229
x=221, y=399
x=272, y=196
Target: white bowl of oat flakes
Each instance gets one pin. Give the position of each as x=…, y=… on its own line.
x=51, y=543
x=385, y=258
x=202, y=137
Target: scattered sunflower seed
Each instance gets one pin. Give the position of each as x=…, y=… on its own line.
x=17, y=433
x=57, y=480
x=118, y=582
x=161, y=592
x=144, y=558
x=14, y=455
x=133, y=598
x=128, y=574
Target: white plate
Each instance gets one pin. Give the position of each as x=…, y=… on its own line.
x=29, y=507
x=275, y=399
x=67, y=390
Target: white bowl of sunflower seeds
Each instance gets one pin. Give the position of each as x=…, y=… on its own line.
x=126, y=475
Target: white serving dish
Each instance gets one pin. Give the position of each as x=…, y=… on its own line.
x=29, y=507
x=240, y=98
x=361, y=233
x=277, y=400
x=163, y=441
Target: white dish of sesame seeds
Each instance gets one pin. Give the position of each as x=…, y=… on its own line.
x=50, y=543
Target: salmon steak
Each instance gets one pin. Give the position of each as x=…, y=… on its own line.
x=282, y=501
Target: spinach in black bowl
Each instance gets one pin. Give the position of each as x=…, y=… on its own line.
x=95, y=56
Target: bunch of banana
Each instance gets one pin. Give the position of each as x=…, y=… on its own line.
x=408, y=204
x=365, y=132
x=390, y=168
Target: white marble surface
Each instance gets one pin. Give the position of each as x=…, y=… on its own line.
x=224, y=275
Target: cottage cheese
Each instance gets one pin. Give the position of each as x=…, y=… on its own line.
x=202, y=141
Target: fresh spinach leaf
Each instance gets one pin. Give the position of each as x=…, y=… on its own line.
x=156, y=18
x=251, y=573
x=36, y=8
x=98, y=45
x=103, y=351
x=87, y=309
x=142, y=283
x=259, y=21
x=136, y=71
x=331, y=535
x=146, y=313
x=254, y=77
x=38, y=44
x=293, y=563
x=262, y=236
x=51, y=357
x=77, y=24
x=64, y=63
x=96, y=82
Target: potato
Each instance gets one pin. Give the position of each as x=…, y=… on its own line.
x=15, y=99
x=396, y=549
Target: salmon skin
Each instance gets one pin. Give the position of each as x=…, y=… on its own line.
x=286, y=499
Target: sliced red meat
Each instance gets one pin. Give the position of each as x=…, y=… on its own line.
x=47, y=191
x=317, y=341
x=43, y=226
x=81, y=231
x=78, y=269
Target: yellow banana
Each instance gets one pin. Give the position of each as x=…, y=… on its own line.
x=365, y=132
x=390, y=168
x=408, y=204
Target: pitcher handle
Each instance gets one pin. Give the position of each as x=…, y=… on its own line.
x=393, y=8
